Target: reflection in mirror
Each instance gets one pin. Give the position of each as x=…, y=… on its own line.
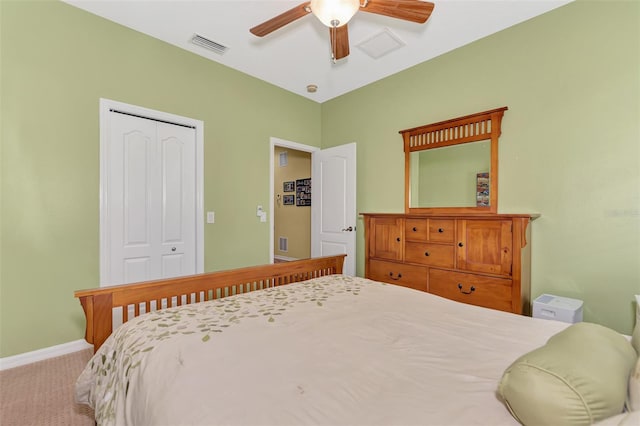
x=447, y=176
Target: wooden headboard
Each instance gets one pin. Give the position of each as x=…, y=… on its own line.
x=134, y=299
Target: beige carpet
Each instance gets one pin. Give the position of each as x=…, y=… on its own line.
x=42, y=393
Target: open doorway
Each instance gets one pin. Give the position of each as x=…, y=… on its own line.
x=292, y=204
x=290, y=211
x=333, y=208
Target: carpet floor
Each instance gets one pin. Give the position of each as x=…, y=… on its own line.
x=42, y=393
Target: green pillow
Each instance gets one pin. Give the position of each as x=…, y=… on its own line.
x=579, y=377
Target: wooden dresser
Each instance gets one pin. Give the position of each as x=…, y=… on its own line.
x=480, y=259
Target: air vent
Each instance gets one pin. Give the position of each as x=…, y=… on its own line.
x=283, y=159
x=381, y=44
x=283, y=244
x=209, y=44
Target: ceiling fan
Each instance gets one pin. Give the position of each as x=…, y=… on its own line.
x=336, y=13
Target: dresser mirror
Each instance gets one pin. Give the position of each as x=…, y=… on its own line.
x=452, y=166
x=448, y=176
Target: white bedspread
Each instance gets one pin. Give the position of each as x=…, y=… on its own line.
x=331, y=351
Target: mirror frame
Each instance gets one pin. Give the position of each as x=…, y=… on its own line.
x=477, y=127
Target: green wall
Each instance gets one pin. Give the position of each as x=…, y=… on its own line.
x=57, y=61
x=569, y=150
x=570, y=146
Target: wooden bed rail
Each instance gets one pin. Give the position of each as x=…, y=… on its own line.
x=98, y=304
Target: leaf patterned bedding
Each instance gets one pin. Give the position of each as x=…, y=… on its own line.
x=335, y=350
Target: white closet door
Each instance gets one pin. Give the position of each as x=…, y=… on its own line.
x=151, y=200
x=178, y=201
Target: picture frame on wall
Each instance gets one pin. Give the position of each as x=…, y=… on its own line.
x=289, y=186
x=288, y=200
x=303, y=192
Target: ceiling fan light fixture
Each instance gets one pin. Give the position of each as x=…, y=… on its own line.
x=334, y=13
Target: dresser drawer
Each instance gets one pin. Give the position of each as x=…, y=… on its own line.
x=478, y=290
x=416, y=229
x=429, y=254
x=432, y=230
x=441, y=230
x=398, y=273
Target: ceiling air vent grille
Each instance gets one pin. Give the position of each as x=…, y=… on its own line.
x=209, y=44
x=381, y=43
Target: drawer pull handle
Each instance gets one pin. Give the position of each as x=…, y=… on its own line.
x=440, y=230
x=472, y=289
x=426, y=253
x=460, y=245
x=395, y=278
x=415, y=229
x=398, y=239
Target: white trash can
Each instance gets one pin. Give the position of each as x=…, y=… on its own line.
x=548, y=306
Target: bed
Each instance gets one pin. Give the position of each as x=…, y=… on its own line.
x=299, y=344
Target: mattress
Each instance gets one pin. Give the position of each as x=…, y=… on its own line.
x=335, y=350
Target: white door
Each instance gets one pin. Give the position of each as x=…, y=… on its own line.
x=333, y=204
x=150, y=200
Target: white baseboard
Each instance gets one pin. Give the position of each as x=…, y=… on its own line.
x=285, y=258
x=42, y=354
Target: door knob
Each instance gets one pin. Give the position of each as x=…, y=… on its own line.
x=349, y=229
x=173, y=249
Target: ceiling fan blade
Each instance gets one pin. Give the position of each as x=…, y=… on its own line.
x=339, y=42
x=281, y=20
x=408, y=10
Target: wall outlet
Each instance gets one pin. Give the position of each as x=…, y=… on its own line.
x=211, y=217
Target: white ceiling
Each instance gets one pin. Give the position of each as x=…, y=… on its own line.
x=299, y=54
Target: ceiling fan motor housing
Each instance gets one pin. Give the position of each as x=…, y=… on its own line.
x=334, y=13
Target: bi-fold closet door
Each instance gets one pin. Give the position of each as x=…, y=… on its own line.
x=151, y=199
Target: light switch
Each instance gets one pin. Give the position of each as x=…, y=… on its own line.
x=263, y=216
x=211, y=217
